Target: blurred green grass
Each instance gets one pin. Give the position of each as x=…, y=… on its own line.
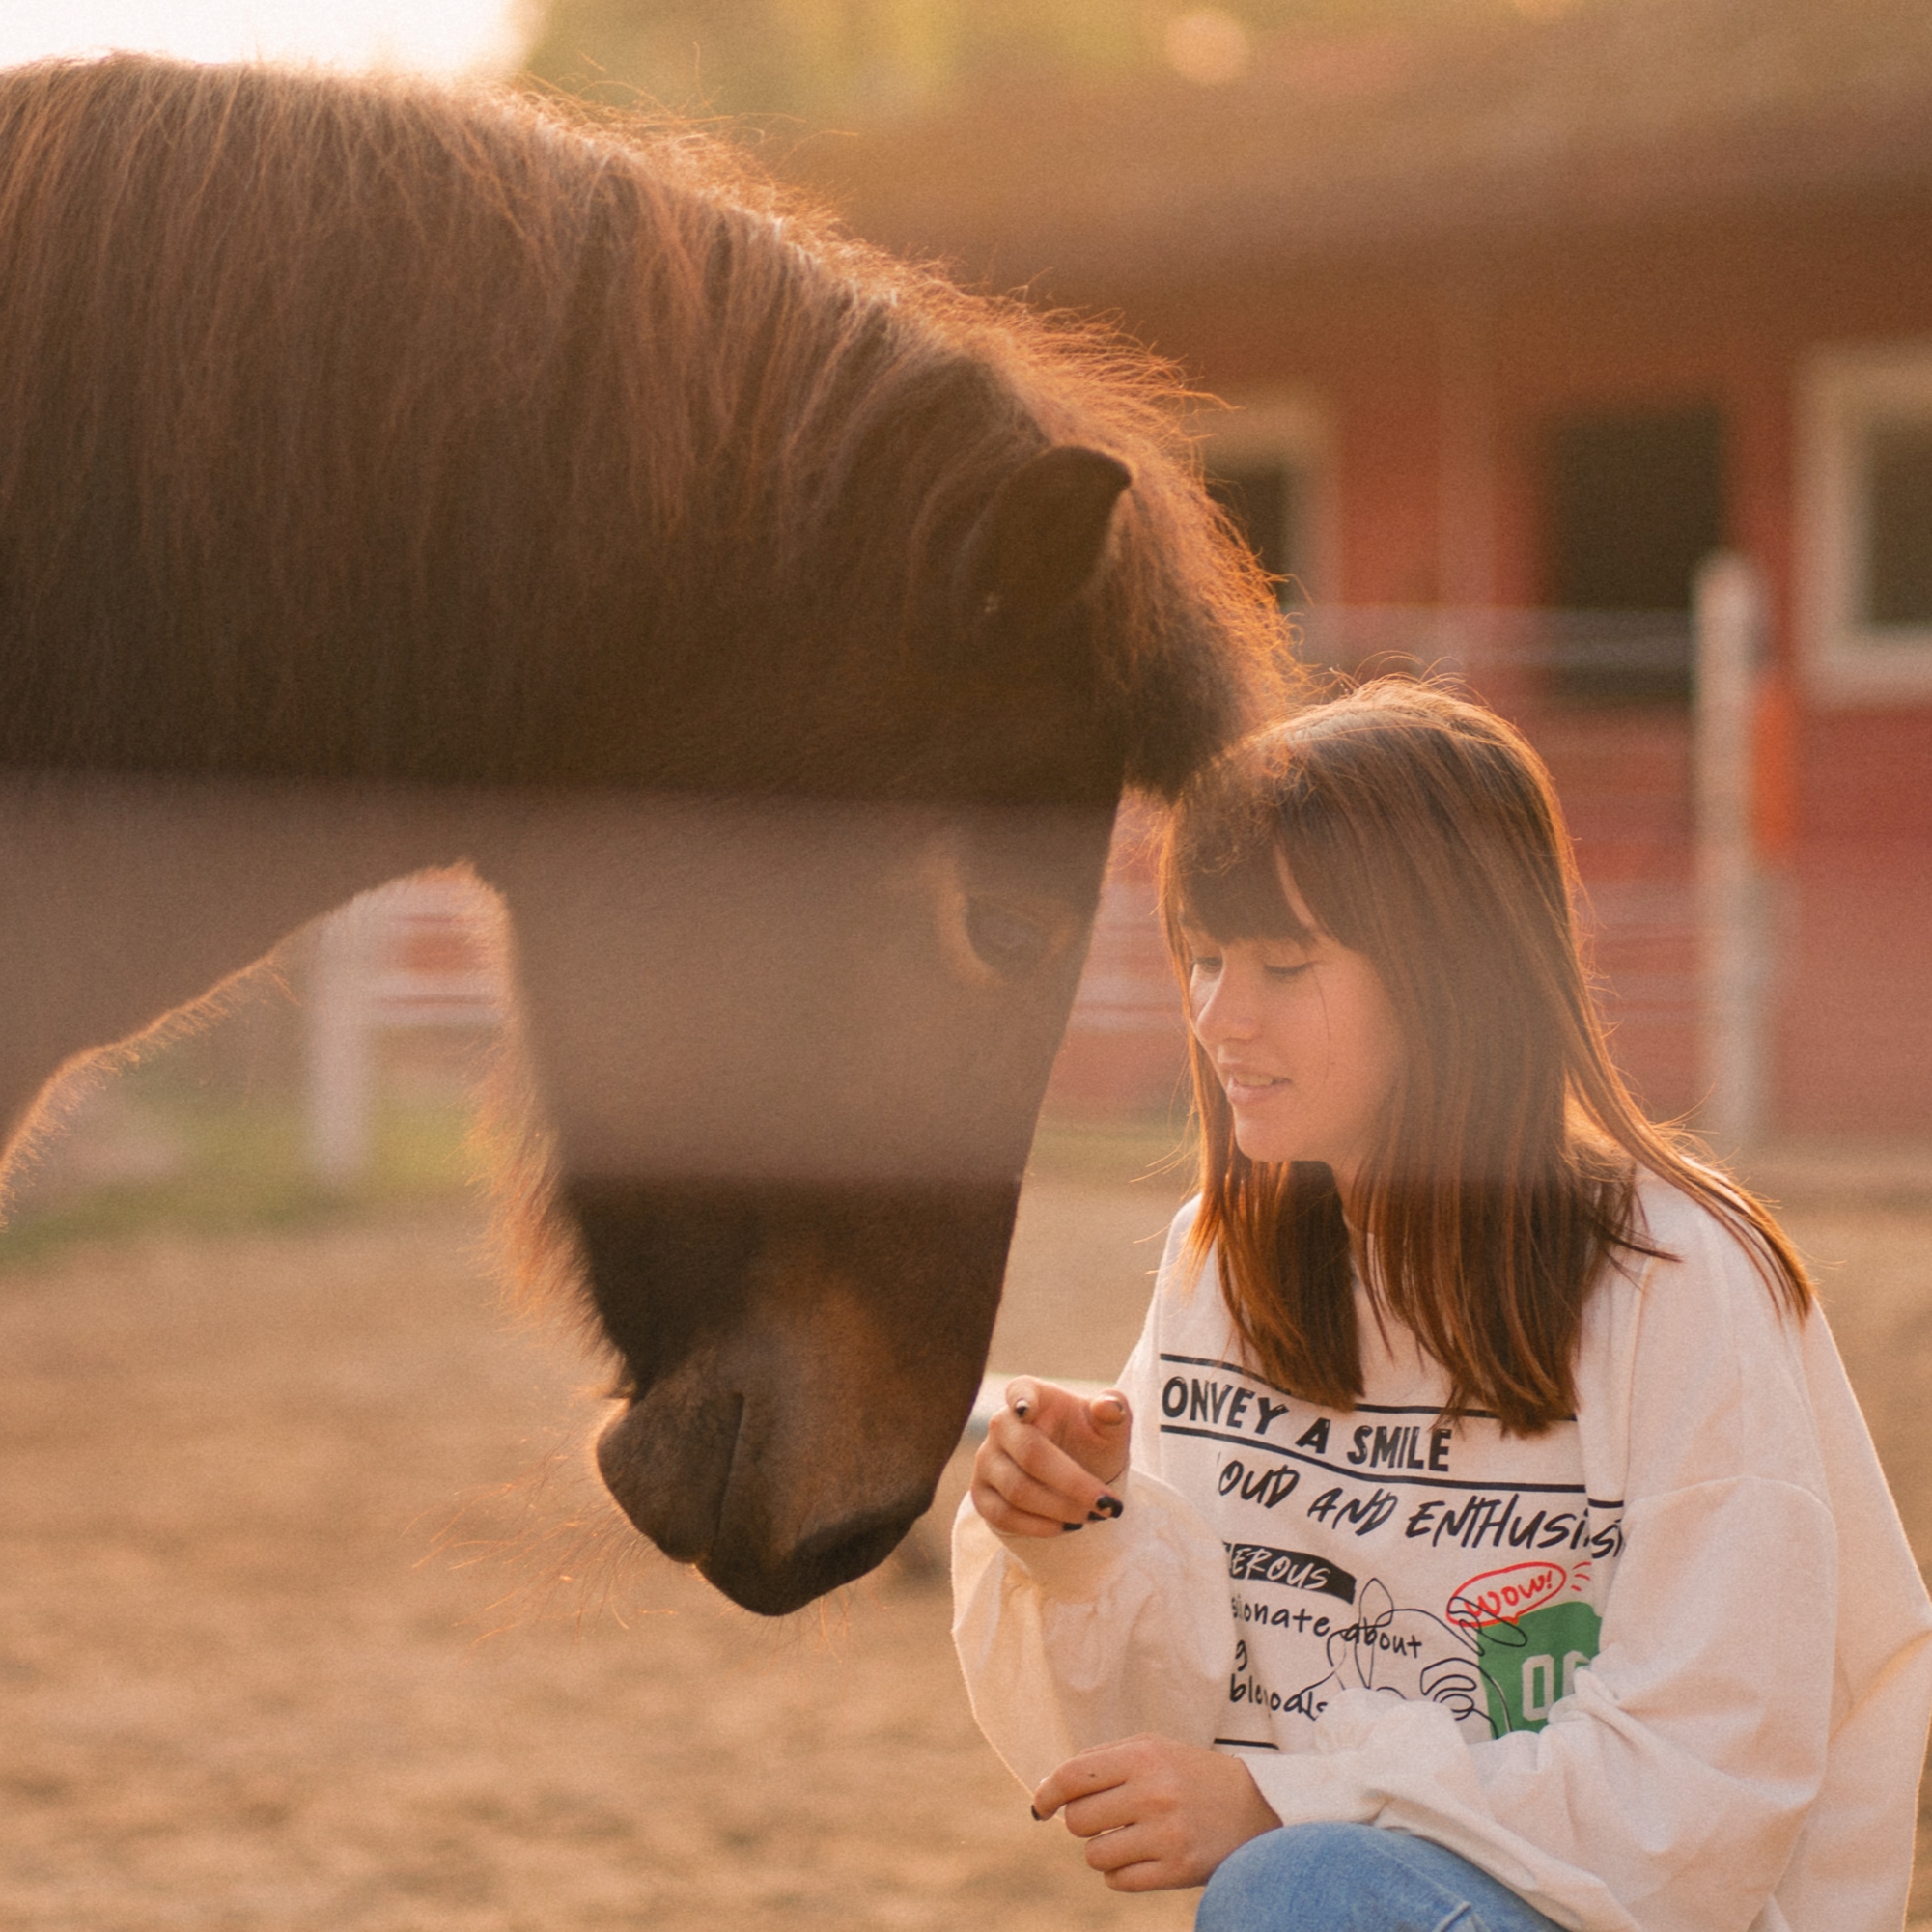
x=226, y=1153
x=1114, y=1151
x=232, y=1162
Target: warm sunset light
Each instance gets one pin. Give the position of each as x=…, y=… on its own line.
x=793, y=791
x=435, y=36
x=1207, y=46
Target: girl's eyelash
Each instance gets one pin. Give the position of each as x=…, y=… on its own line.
x=1289, y=971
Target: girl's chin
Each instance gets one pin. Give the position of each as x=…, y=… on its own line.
x=1258, y=1144
x=1263, y=1129
x=1276, y=1143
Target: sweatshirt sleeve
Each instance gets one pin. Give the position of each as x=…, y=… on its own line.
x=1667, y=1792
x=1123, y=1627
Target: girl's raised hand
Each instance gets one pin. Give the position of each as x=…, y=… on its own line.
x=1050, y=1459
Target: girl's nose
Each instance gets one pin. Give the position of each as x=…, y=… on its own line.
x=1222, y=1014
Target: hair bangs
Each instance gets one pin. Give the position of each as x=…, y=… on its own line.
x=1243, y=899
x=1221, y=868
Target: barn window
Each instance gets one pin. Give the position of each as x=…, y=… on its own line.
x=1866, y=531
x=1635, y=504
x=1895, y=581
x=1264, y=463
x=1264, y=501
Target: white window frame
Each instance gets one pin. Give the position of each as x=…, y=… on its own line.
x=1288, y=427
x=1845, y=391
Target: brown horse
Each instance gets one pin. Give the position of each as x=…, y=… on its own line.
x=394, y=477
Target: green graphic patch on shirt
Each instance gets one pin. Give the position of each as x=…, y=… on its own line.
x=1530, y=1662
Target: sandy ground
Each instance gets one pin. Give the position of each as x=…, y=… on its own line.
x=275, y=1652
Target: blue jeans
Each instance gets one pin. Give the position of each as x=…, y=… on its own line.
x=1356, y=1878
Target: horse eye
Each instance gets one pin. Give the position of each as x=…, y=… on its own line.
x=1008, y=941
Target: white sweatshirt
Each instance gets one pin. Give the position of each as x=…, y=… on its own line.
x=1667, y=1666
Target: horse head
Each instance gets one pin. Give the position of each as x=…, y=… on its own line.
x=791, y=1051
x=775, y=624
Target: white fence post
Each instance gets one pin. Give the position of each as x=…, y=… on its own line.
x=374, y=974
x=341, y=1053
x=1731, y=911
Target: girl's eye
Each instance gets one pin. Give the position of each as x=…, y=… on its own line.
x=1288, y=973
x=1205, y=963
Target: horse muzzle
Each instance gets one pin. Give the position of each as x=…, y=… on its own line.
x=690, y=1477
x=798, y=1398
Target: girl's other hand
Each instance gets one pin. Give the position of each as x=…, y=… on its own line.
x=1051, y=1458
x=1156, y=1812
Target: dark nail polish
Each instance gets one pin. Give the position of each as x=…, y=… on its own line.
x=1108, y=1505
x=1068, y=1527
x=1023, y=1410
x=1035, y=1816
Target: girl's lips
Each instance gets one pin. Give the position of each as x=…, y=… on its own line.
x=1253, y=1086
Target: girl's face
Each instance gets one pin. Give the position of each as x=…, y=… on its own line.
x=1303, y=1038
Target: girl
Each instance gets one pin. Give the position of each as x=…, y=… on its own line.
x=1483, y=1534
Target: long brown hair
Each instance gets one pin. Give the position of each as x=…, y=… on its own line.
x=371, y=427
x=1422, y=832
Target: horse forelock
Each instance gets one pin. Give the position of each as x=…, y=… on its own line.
x=374, y=428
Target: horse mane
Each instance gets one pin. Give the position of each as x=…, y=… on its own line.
x=374, y=428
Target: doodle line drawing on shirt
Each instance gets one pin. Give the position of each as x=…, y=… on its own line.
x=1385, y=1637
x=1405, y=1651
x=1506, y=1674
x=1386, y=1648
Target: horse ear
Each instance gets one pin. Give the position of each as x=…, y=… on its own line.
x=1038, y=543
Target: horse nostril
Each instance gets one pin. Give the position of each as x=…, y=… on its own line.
x=821, y=1563
x=854, y=1551
x=668, y=1465
x=849, y=1550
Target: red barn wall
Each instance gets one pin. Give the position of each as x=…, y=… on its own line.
x=1438, y=376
